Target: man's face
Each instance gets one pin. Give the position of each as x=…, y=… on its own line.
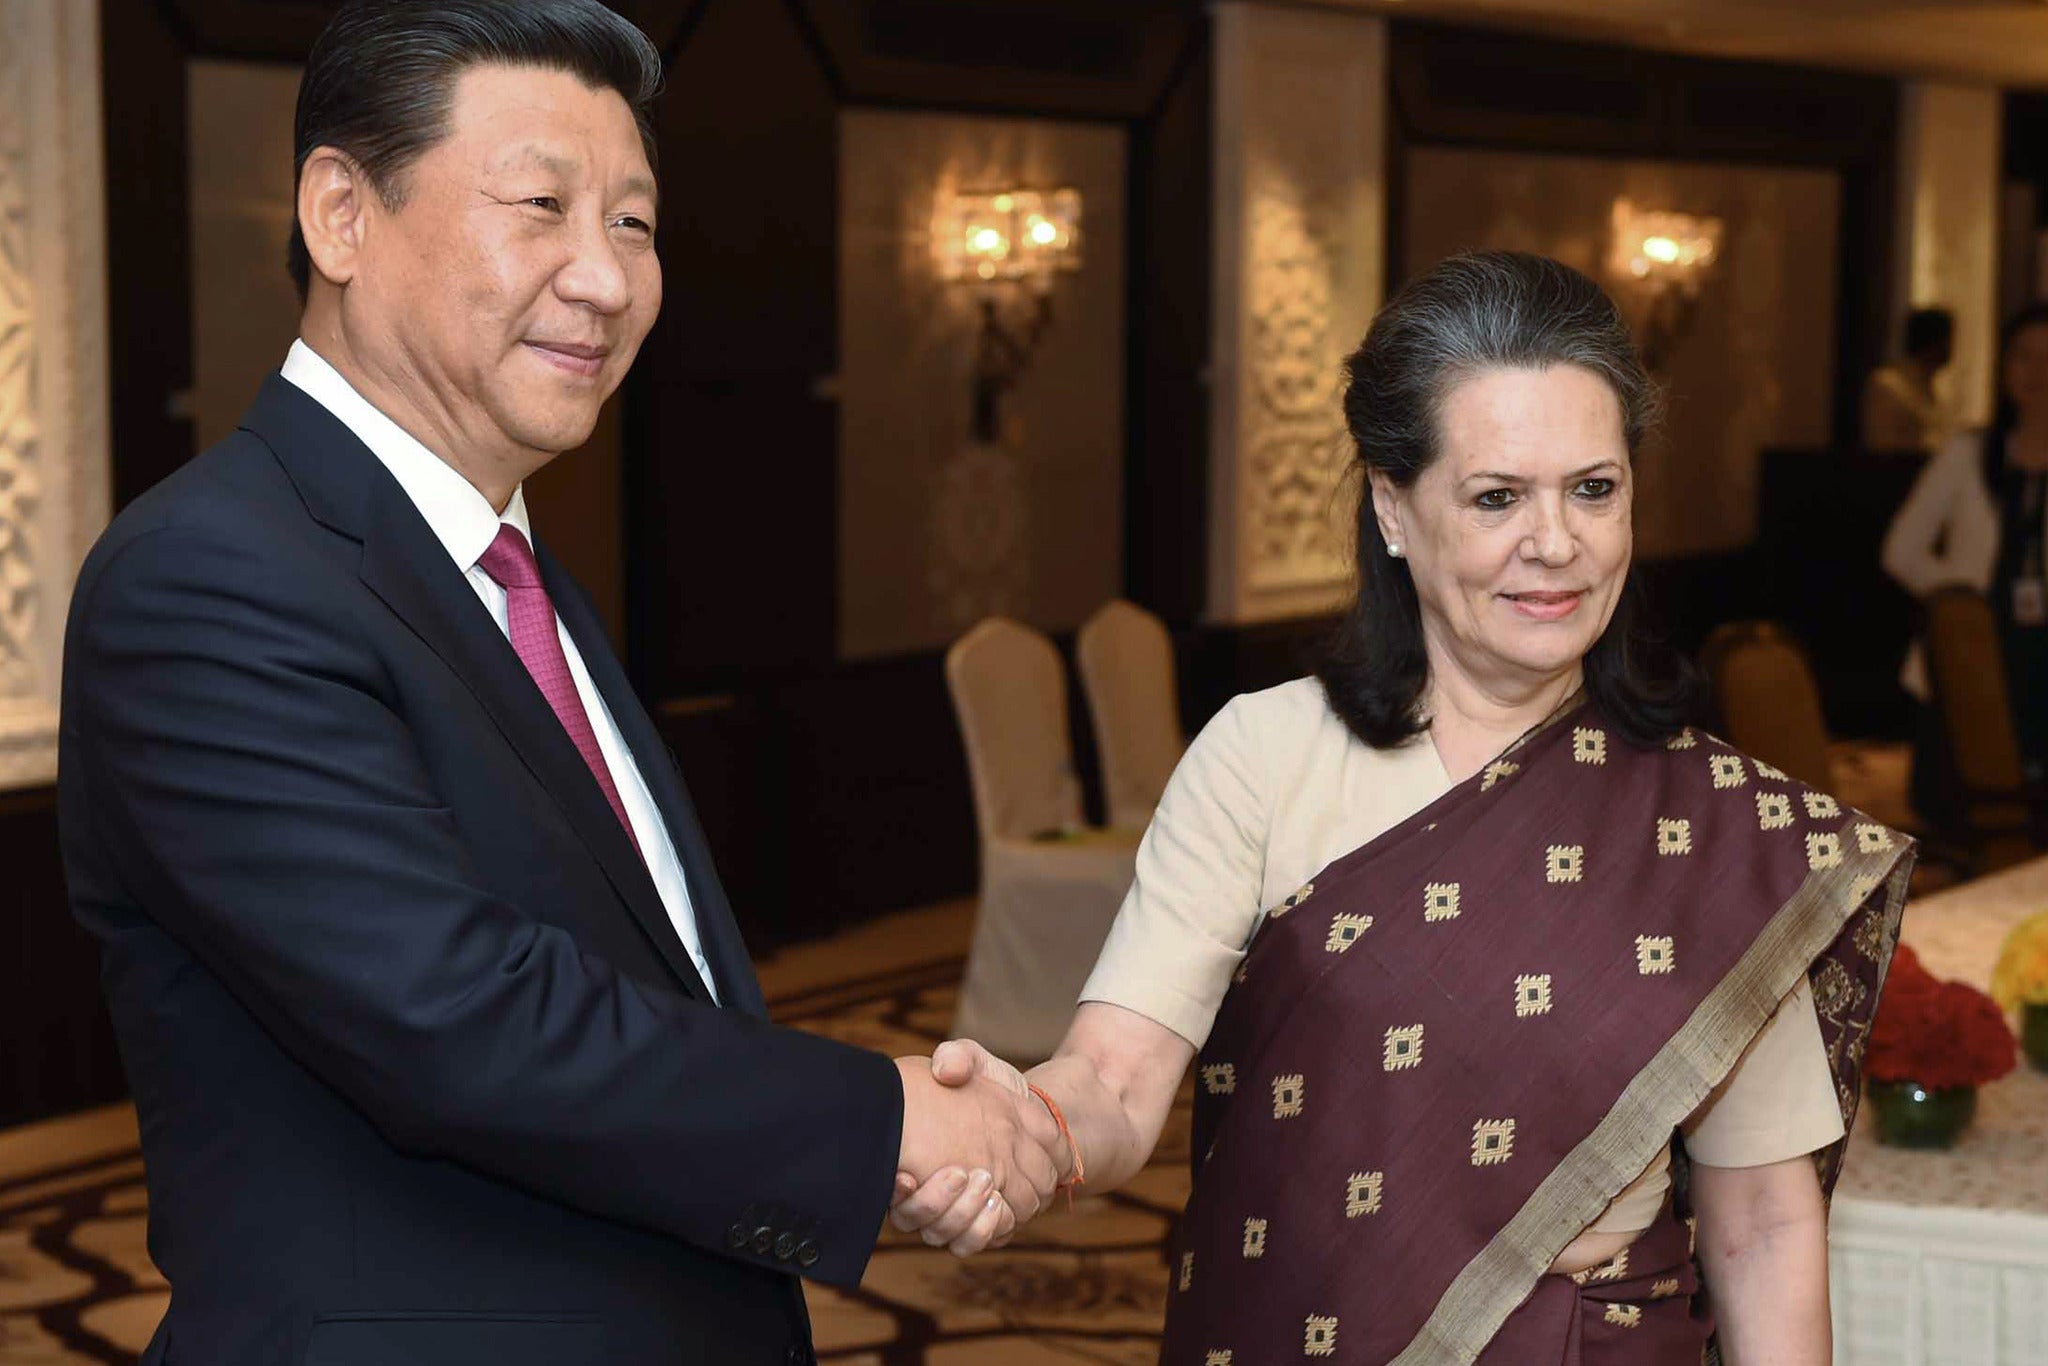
x=512, y=287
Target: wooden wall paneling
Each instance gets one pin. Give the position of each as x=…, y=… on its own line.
x=1822, y=517
x=729, y=429
x=248, y=30
x=1166, y=473
x=149, y=334
x=60, y=1053
x=874, y=811
x=1065, y=58
x=2026, y=138
x=285, y=30
x=1865, y=329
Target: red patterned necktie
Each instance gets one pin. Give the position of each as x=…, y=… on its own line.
x=537, y=641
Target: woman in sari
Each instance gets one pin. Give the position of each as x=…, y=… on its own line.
x=1527, y=1017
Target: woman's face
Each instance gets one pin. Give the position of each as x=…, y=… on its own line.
x=1519, y=535
x=2026, y=372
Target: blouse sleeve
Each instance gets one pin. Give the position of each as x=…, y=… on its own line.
x=1183, y=926
x=1779, y=1101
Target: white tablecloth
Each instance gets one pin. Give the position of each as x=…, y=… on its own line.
x=1941, y=1258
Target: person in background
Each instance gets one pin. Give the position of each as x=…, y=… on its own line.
x=1901, y=410
x=1976, y=519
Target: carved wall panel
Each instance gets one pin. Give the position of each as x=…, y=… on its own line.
x=1300, y=185
x=53, y=446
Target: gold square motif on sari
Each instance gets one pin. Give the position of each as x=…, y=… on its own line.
x=1624, y=1315
x=1403, y=1048
x=1307, y=891
x=1320, y=1336
x=1655, y=954
x=1872, y=838
x=1532, y=995
x=1773, y=810
x=1493, y=1141
x=1823, y=849
x=1440, y=901
x=1495, y=771
x=1219, y=1079
x=1344, y=931
x=1685, y=739
x=1820, y=806
x=1254, y=1238
x=1289, y=1094
x=1674, y=837
x=1217, y=1359
x=1589, y=746
x=1187, y=1270
x=1565, y=862
x=1362, y=1193
x=1613, y=1269
x=1664, y=1289
x=1728, y=771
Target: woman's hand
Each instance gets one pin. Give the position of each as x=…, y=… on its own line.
x=1763, y=1248
x=1114, y=1079
x=952, y=1209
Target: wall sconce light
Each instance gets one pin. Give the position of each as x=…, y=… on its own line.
x=1006, y=245
x=1664, y=258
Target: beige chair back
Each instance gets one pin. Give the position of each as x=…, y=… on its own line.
x=1009, y=692
x=1126, y=659
x=1967, y=668
x=1768, y=699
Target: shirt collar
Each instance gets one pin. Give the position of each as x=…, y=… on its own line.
x=461, y=518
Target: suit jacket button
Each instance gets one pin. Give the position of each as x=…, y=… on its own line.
x=785, y=1247
x=736, y=1237
x=764, y=1239
x=807, y=1254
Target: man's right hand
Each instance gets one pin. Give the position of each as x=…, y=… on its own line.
x=991, y=1136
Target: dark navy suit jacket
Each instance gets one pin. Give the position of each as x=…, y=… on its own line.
x=424, y=1073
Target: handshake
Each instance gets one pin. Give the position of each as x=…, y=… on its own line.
x=981, y=1154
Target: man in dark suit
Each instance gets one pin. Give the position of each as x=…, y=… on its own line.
x=443, y=1040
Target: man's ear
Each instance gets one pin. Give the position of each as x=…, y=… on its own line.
x=333, y=207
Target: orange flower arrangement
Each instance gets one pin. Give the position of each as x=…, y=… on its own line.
x=1940, y=1034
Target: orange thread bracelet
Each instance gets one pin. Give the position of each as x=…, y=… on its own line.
x=1080, y=1176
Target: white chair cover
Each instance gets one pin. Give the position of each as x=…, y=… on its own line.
x=1126, y=659
x=1049, y=889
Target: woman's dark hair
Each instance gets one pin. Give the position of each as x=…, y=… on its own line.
x=1483, y=311
x=380, y=83
x=2007, y=414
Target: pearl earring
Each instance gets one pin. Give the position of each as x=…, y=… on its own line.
x=1394, y=549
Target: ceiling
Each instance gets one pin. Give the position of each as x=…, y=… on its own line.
x=1992, y=42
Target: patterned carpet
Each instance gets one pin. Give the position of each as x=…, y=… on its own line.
x=76, y=1285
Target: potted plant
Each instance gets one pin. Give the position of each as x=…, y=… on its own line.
x=2020, y=984
x=1931, y=1046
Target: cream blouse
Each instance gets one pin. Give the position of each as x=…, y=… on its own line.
x=1273, y=791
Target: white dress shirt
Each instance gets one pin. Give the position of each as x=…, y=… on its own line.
x=1946, y=534
x=462, y=519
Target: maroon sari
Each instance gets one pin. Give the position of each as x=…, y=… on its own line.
x=1446, y=1055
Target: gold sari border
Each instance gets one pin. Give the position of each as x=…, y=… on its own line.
x=1671, y=1086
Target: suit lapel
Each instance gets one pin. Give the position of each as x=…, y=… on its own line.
x=403, y=564
x=723, y=946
